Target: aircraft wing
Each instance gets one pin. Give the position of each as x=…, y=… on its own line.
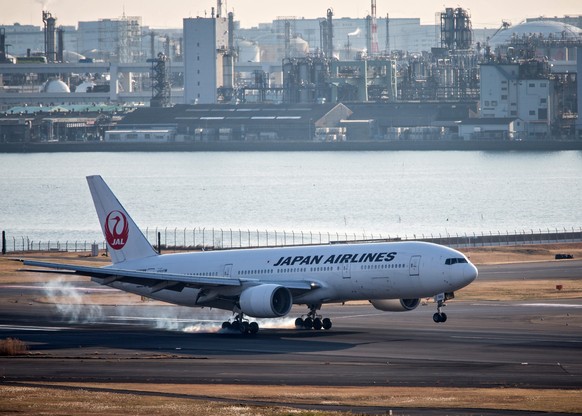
x=160, y=280
x=110, y=275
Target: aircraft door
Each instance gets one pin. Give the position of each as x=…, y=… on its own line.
x=227, y=270
x=346, y=272
x=414, y=265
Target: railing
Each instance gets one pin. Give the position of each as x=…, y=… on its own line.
x=22, y=244
x=229, y=238
x=216, y=239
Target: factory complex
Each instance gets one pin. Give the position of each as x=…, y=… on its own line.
x=327, y=80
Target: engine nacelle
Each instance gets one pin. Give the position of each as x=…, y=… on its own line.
x=395, y=305
x=266, y=301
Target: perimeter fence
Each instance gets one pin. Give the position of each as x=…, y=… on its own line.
x=219, y=239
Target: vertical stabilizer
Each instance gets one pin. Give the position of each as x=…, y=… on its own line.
x=124, y=240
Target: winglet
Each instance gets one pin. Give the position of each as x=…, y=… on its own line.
x=124, y=239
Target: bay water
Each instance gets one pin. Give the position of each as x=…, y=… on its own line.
x=44, y=196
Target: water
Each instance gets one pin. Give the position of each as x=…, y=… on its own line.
x=45, y=196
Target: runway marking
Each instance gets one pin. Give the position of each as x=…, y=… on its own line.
x=488, y=338
x=552, y=305
x=537, y=305
x=34, y=328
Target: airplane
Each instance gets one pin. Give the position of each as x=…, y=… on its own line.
x=267, y=282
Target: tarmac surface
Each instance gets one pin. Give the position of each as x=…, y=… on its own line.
x=483, y=344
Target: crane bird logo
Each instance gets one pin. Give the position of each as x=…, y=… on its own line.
x=116, y=229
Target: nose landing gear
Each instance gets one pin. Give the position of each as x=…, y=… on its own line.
x=440, y=299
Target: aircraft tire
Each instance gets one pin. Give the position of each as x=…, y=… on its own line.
x=253, y=328
x=308, y=323
x=439, y=317
x=326, y=323
x=317, y=324
x=299, y=324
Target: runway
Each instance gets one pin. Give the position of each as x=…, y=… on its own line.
x=483, y=344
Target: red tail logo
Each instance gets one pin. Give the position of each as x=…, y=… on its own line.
x=116, y=230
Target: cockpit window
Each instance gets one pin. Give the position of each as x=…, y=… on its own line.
x=456, y=260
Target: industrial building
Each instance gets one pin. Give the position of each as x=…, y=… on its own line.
x=300, y=122
x=67, y=123
x=206, y=54
x=520, y=90
x=389, y=79
x=227, y=122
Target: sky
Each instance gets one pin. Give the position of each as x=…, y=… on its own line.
x=169, y=13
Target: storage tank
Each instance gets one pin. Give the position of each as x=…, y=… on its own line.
x=298, y=48
x=248, y=51
x=55, y=86
x=84, y=86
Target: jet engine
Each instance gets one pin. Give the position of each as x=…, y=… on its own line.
x=266, y=301
x=395, y=305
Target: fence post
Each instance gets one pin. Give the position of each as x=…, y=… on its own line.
x=3, y=242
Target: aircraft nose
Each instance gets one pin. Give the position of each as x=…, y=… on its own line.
x=470, y=273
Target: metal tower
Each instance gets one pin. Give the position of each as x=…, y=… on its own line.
x=373, y=50
x=160, y=84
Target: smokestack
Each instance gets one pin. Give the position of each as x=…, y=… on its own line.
x=50, y=39
x=330, y=33
x=2, y=45
x=60, y=44
x=231, y=31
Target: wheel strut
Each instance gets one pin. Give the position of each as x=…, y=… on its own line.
x=312, y=320
x=440, y=316
x=242, y=325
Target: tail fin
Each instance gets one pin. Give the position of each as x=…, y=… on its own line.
x=124, y=240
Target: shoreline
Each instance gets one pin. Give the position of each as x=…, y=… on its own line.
x=287, y=146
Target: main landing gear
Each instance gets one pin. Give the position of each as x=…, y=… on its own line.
x=312, y=320
x=242, y=325
x=440, y=299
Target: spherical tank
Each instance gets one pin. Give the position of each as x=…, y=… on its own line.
x=547, y=29
x=84, y=86
x=55, y=86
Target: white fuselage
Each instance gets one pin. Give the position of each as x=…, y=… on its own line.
x=338, y=272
